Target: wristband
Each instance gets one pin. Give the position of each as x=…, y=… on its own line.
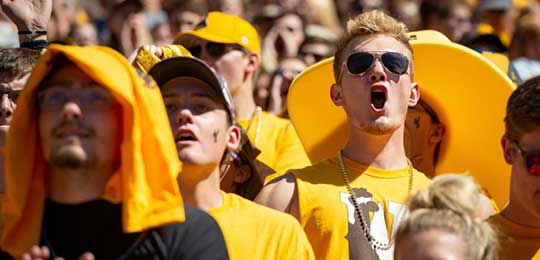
x=35, y=44
x=26, y=32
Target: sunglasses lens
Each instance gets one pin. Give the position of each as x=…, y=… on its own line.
x=533, y=163
x=359, y=62
x=215, y=49
x=395, y=62
x=195, y=51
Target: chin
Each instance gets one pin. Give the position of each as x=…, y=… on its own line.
x=69, y=156
x=381, y=126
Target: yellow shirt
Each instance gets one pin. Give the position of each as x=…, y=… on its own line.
x=517, y=241
x=252, y=231
x=329, y=218
x=280, y=146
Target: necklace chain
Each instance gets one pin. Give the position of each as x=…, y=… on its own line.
x=258, y=113
x=365, y=229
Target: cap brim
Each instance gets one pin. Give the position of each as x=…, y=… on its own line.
x=187, y=38
x=467, y=91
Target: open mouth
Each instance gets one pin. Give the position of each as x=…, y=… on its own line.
x=185, y=135
x=378, y=97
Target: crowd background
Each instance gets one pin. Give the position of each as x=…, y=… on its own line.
x=295, y=34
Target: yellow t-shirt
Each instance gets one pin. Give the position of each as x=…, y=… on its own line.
x=517, y=241
x=328, y=216
x=252, y=231
x=280, y=146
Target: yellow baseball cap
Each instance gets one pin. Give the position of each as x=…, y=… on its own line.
x=223, y=28
x=467, y=91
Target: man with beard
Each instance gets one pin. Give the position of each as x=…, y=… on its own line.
x=91, y=167
x=350, y=205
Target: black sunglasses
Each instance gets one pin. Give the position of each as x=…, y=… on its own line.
x=360, y=62
x=531, y=158
x=214, y=49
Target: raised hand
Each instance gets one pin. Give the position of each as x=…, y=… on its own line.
x=30, y=15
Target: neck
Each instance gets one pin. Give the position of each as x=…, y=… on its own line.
x=520, y=214
x=202, y=193
x=385, y=152
x=244, y=102
x=73, y=186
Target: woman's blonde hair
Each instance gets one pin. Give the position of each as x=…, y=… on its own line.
x=450, y=203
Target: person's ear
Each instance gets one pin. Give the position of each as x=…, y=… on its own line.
x=437, y=133
x=508, y=150
x=233, y=138
x=253, y=62
x=336, y=93
x=415, y=95
x=241, y=175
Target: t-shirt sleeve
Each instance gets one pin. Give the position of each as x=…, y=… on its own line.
x=199, y=237
x=291, y=152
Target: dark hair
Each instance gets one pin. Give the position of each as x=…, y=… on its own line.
x=195, y=6
x=16, y=62
x=441, y=8
x=523, y=109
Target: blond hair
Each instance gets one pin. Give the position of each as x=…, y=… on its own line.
x=371, y=23
x=449, y=204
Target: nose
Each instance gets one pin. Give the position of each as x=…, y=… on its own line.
x=377, y=72
x=7, y=107
x=71, y=111
x=184, y=116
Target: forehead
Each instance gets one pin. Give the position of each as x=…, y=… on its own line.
x=181, y=86
x=16, y=84
x=66, y=76
x=379, y=42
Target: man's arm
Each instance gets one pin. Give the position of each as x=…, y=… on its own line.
x=280, y=194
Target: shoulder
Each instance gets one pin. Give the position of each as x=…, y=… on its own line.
x=420, y=179
x=198, y=237
x=278, y=193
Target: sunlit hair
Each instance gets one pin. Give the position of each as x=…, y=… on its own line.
x=450, y=204
x=523, y=109
x=369, y=24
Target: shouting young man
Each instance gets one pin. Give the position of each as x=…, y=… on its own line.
x=350, y=205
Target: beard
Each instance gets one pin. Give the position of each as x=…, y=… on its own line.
x=69, y=156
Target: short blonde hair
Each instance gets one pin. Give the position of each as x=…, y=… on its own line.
x=449, y=204
x=371, y=23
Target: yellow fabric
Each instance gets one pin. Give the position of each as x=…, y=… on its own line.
x=145, y=59
x=145, y=182
x=517, y=241
x=328, y=216
x=252, y=231
x=224, y=28
x=279, y=145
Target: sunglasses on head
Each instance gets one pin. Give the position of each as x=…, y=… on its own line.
x=214, y=49
x=531, y=159
x=360, y=62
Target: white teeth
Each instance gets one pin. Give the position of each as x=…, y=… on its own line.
x=378, y=91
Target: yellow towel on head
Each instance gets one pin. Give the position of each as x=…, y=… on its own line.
x=145, y=182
